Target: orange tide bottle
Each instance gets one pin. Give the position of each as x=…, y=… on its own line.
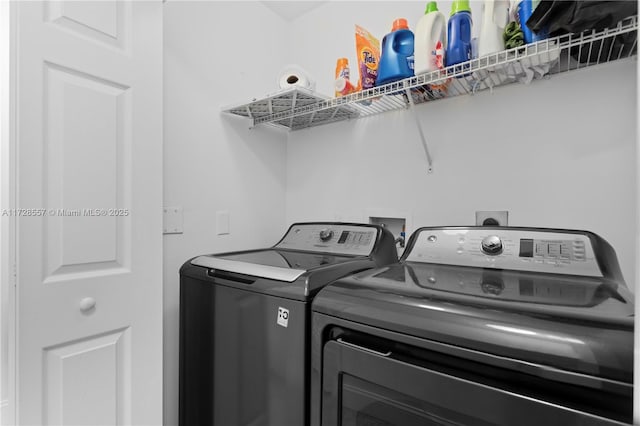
x=342, y=75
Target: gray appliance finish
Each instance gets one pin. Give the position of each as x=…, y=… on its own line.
x=244, y=322
x=478, y=326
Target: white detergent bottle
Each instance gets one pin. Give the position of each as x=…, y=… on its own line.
x=495, y=16
x=430, y=40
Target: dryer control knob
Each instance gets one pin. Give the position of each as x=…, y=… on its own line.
x=492, y=245
x=326, y=234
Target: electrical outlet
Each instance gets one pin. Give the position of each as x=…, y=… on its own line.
x=172, y=220
x=492, y=218
x=222, y=222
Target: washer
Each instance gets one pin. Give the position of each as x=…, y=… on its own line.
x=244, y=322
x=478, y=326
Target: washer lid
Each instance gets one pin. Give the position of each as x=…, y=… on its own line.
x=280, y=265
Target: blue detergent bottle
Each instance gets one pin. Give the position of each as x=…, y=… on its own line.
x=396, y=58
x=524, y=9
x=458, y=33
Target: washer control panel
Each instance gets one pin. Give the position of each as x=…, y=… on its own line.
x=517, y=249
x=344, y=239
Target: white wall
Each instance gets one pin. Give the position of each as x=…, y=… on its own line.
x=216, y=163
x=557, y=153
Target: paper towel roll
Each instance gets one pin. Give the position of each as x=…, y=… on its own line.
x=295, y=76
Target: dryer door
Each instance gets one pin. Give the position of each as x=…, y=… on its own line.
x=362, y=386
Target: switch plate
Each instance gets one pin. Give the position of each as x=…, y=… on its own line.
x=172, y=220
x=222, y=222
x=500, y=216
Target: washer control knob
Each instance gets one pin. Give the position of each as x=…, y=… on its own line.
x=326, y=234
x=492, y=245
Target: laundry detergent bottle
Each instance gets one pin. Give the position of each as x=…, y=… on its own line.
x=396, y=58
x=458, y=33
x=523, y=10
x=495, y=14
x=430, y=40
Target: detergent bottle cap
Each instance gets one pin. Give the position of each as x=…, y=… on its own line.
x=342, y=62
x=460, y=6
x=432, y=6
x=400, y=24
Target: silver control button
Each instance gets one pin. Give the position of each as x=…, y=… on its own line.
x=326, y=234
x=491, y=245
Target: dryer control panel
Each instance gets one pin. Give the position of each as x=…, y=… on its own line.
x=335, y=238
x=520, y=249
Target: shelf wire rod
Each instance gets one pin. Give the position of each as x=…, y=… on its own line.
x=432, y=94
x=335, y=111
x=453, y=89
x=427, y=94
x=376, y=106
x=392, y=103
x=311, y=117
x=412, y=107
x=580, y=49
x=610, y=50
x=396, y=102
x=591, y=46
x=388, y=106
x=568, y=52
x=633, y=46
x=249, y=112
x=517, y=70
x=388, y=103
x=455, y=84
x=270, y=106
x=365, y=111
x=463, y=84
x=371, y=108
x=620, y=54
x=384, y=104
x=492, y=75
x=293, y=107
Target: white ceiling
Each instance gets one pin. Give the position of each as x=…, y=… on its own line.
x=290, y=10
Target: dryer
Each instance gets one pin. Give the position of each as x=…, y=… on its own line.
x=244, y=322
x=478, y=326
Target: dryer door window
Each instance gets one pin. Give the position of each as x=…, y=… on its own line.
x=363, y=387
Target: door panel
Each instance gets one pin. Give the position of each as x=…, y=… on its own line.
x=98, y=399
x=104, y=22
x=87, y=140
x=89, y=284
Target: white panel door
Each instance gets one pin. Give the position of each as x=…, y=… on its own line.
x=89, y=253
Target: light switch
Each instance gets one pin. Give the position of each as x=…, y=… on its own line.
x=172, y=220
x=222, y=222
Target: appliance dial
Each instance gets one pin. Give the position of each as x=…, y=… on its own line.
x=492, y=245
x=326, y=234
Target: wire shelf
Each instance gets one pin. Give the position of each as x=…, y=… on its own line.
x=298, y=108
